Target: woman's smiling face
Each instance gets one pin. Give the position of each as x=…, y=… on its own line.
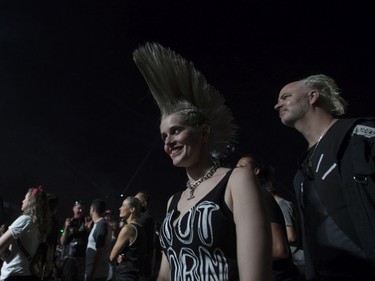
x=183, y=143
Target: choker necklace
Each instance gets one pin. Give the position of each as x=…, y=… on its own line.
x=309, y=159
x=194, y=185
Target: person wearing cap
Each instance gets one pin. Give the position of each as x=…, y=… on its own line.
x=74, y=240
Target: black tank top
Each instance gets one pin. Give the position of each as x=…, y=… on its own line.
x=202, y=244
x=132, y=266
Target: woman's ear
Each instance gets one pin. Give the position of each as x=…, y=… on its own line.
x=206, y=130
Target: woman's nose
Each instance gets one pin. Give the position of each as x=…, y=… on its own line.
x=168, y=140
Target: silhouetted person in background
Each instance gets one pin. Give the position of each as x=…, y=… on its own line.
x=293, y=227
x=54, y=234
x=113, y=222
x=283, y=268
x=74, y=239
x=99, y=244
x=148, y=223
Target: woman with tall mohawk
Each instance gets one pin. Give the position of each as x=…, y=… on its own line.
x=216, y=228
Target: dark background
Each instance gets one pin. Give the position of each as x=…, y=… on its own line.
x=76, y=115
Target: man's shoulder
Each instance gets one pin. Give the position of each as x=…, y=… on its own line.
x=102, y=223
x=364, y=127
x=360, y=126
x=368, y=120
x=359, y=119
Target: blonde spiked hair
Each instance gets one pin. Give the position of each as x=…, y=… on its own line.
x=177, y=86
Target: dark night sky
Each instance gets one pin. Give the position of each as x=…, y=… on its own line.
x=77, y=117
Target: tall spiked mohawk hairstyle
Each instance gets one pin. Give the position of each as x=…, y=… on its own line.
x=177, y=86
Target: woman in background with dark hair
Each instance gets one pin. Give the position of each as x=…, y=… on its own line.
x=27, y=231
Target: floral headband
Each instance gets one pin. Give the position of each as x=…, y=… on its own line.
x=35, y=190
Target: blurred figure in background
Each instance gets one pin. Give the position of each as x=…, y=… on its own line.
x=283, y=268
x=99, y=245
x=293, y=227
x=148, y=223
x=113, y=223
x=54, y=234
x=74, y=241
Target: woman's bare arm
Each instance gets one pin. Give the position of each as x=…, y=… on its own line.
x=280, y=248
x=5, y=241
x=164, y=271
x=254, y=242
x=123, y=238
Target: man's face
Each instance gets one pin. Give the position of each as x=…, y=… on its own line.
x=108, y=215
x=293, y=103
x=141, y=198
x=78, y=210
x=91, y=211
